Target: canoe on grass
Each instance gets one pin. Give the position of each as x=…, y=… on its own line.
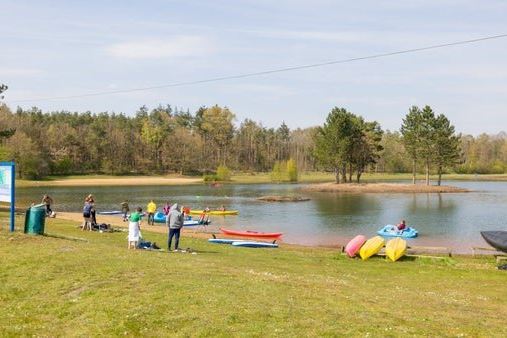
x=215, y=212
x=371, y=247
x=352, y=247
x=254, y=244
x=254, y=234
x=497, y=239
x=112, y=212
x=392, y=231
x=396, y=248
x=224, y=240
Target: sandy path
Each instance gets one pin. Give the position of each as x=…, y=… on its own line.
x=115, y=181
x=116, y=222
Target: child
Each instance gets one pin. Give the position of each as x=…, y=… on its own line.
x=134, y=228
x=402, y=226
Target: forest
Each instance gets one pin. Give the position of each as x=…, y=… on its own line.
x=166, y=139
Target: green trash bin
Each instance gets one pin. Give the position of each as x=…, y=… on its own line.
x=35, y=219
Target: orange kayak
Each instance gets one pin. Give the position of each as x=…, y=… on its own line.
x=251, y=233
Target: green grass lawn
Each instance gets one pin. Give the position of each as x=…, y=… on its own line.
x=51, y=286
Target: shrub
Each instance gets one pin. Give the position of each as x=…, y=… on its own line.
x=292, y=171
x=223, y=173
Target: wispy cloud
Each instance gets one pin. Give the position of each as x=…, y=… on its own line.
x=179, y=46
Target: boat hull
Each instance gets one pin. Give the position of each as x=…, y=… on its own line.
x=352, y=247
x=371, y=247
x=253, y=234
x=497, y=239
x=396, y=248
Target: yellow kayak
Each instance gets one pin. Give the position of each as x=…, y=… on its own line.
x=396, y=248
x=371, y=247
x=215, y=212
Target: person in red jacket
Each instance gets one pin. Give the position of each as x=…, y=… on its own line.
x=402, y=226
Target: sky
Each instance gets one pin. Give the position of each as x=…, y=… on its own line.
x=63, y=48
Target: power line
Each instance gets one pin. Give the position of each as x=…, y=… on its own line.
x=267, y=72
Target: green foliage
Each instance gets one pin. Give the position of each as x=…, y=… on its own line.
x=210, y=178
x=223, y=173
x=292, y=171
x=284, y=171
x=347, y=142
x=277, y=172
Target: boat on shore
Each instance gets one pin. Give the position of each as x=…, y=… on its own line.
x=253, y=234
x=371, y=247
x=497, y=239
x=352, y=247
x=396, y=248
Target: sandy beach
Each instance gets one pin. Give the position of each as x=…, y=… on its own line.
x=116, y=181
x=382, y=188
x=116, y=222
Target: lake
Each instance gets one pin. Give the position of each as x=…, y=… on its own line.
x=329, y=219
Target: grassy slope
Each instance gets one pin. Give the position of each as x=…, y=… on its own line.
x=52, y=286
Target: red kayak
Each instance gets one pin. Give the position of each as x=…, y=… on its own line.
x=251, y=233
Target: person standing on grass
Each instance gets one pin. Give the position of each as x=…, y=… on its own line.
x=174, y=222
x=125, y=210
x=135, y=228
x=151, y=209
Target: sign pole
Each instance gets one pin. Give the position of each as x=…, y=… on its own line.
x=7, y=189
x=13, y=195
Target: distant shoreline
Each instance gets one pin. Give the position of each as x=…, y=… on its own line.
x=383, y=188
x=239, y=178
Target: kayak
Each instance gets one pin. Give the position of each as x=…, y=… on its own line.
x=352, y=247
x=371, y=247
x=396, y=248
x=497, y=239
x=254, y=244
x=224, y=240
x=251, y=233
x=215, y=212
x=112, y=212
x=159, y=217
x=392, y=231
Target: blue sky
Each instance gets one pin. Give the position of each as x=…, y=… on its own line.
x=59, y=48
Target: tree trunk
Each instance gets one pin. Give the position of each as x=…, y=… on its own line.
x=358, y=175
x=337, y=175
x=350, y=173
x=413, y=170
x=344, y=173
x=427, y=172
x=439, y=175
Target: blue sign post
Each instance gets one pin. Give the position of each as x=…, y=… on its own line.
x=8, y=188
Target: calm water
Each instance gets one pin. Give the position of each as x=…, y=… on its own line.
x=328, y=219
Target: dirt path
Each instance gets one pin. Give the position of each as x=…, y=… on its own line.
x=116, y=222
x=116, y=181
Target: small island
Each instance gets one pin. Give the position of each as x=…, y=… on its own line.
x=276, y=198
x=383, y=188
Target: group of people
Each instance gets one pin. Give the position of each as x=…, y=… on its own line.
x=174, y=220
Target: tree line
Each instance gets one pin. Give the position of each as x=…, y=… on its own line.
x=169, y=139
